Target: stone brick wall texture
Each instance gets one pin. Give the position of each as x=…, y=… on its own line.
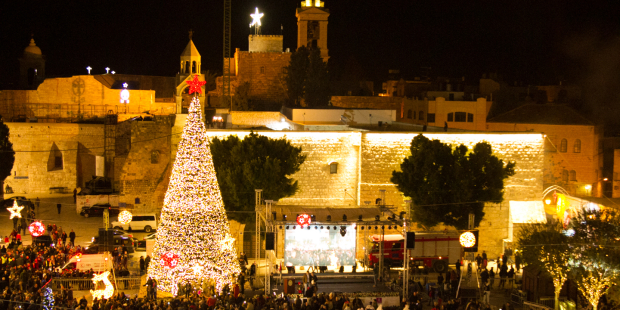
x=36, y=146
x=366, y=102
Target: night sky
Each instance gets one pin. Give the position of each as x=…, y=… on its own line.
x=532, y=41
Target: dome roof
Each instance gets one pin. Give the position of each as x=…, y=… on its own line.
x=32, y=48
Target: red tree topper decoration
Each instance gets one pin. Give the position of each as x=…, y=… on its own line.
x=195, y=85
x=36, y=229
x=169, y=260
x=303, y=220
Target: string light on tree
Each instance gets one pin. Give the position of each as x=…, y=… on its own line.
x=36, y=229
x=108, y=291
x=48, y=299
x=15, y=210
x=194, y=230
x=125, y=217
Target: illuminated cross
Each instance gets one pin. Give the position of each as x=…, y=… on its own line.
x=227, y=243
x=16, y=210
x=89, y=68
x=256, y=21
x=107, y=70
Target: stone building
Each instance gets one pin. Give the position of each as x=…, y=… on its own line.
x=31, y=67
x=573, y=152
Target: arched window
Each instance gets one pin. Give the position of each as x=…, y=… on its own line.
x=563, y=146
x=409, y=114
x=577, y=146
x=564, y=175
x=572, y=175
x=421, y=115
x=262, y=70
x=187, y=66
x=193, y=67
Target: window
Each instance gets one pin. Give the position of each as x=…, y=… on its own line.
x=450, y=117
x=58, y=162
x=333, y=168
x=284, y=70
x=460, y=117
x=451, y=97
x=563, y=146
x=564, y=175
x=154, y=157
x=262, y=70
x=409, y=114
x=414, y=115
x=430, y=117
x=470, y=118
x=137, y=200
x=421, y=115
x=577, y=146
x=572, y=175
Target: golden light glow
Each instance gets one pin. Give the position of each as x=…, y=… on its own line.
x=15, y=210
x=548, y=201
x=467, y=239
x=256, y=18
x=109, y=289
x=125, y=217
x=194, y=225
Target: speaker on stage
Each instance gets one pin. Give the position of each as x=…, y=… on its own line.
x=410, y=240
x=270, y=240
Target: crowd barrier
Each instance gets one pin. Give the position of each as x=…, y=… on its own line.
x=84, y=284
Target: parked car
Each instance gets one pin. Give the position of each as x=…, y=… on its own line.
x=146, y=222
x=21, y=200
x=46, y=240
x=129, y=243
x=97, y=210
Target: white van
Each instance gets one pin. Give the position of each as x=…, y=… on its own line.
x=85, y=262
x=144, y=221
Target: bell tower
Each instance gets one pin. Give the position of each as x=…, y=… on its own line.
x=312, y=26
x=190, y=58
x=31, y=67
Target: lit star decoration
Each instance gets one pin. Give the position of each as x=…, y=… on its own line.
x=467, y=239
x=195, y=86
x=193, y=220
x=256, y=18
x=36, y=229
x=15, y=210
x=124, y=93
x=109, y=289
x=227, y=243
x=125, y=217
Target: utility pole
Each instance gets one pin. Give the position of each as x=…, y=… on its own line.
x=226, y=50
x=406, y=258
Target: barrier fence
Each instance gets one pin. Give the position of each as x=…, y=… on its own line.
x=85, y=284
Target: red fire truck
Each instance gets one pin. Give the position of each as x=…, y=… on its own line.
x=434, y=250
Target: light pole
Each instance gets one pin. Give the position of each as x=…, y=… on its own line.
x=406, y=258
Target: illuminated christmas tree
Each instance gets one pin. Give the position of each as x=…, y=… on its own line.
x=193, y=240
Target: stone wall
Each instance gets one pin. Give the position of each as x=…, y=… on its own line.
x=366, y=102
x=264, y=72
x=587, y=163
x=265, y=43
x=145, y=169
x=77, y=95
x=37, y=145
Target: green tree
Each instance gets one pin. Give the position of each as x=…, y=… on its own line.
x=296, y=73
x=595, y=253
x=316, y=87
x=256, y=162
x=7, y=155
x=544, y=245
x=446, y=184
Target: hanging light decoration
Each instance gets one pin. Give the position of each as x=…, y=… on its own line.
x=36, y=229
x=125, y=217
x=467, y=239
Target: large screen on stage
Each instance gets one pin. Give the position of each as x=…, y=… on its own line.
x=319, y=247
